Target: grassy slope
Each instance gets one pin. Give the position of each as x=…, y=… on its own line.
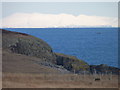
x=23, y=64
x=21, y=71
x=22, y=80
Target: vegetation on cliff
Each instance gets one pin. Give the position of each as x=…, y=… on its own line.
x=14, y=43
x=28, y=45
x=71, y=63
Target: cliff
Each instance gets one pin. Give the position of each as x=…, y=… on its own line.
x=25, y=50
x=71, y=63
x=27, y=45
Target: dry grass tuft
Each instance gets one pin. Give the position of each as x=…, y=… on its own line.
x=22, y=80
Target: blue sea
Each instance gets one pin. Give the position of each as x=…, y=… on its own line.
x=93, y=45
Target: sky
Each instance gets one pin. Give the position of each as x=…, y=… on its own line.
x=59, y=14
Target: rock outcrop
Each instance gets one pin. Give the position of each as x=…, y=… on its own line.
x=22, y=49
x=103, y=69
x=27, y=45
x=24, y=44
x=71, y=63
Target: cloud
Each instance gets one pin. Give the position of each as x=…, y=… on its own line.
x=38, y=20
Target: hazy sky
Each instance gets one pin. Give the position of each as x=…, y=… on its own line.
x=77, y=12
x=108, y=9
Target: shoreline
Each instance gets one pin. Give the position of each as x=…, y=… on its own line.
x=25, y=57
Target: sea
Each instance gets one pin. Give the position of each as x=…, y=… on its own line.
x=94, y=45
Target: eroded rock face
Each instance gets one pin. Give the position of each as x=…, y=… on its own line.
x=71, y=63
x=28, y=45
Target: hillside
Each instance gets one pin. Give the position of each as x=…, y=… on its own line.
x=31, y=52
x=29, y=62
x=27, y=45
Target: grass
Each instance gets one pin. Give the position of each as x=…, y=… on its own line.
x=25, y=80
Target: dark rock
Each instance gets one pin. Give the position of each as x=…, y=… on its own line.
x=97, y=79
x=71, y=63
x=104, y=69
x=28, y=45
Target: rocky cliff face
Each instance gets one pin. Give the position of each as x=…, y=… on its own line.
x=24, y=44
x=26, y=51
x=71, y=63
x=27, y=45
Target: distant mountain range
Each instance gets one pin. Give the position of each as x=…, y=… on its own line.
x=78, y=26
